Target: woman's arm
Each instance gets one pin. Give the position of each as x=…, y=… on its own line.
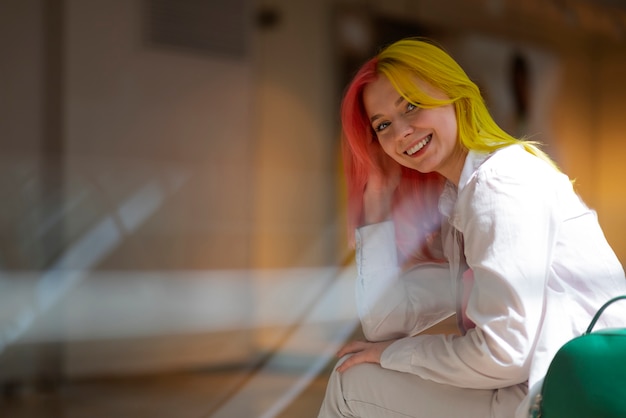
x=392, y=303
x=509, y=222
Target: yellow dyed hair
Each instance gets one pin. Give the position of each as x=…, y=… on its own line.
x=407, y=58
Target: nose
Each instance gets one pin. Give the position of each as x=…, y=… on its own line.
x=404, y=128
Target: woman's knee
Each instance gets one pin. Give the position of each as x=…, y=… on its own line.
x=346, y=387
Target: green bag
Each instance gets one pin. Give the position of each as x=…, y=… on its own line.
x=587, y=377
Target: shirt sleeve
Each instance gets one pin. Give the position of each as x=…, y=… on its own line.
x=509, y=226
x=392, y=303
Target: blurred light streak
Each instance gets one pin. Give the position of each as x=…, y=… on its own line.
x=318, y=336
x=127, y=305
x=76, y=262
x=139, y=207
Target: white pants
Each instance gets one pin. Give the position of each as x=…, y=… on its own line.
x=369, y=391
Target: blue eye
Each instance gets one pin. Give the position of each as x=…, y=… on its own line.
x=381, y=126
x=410, y=106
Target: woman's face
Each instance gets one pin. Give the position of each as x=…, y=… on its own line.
x=423, y=139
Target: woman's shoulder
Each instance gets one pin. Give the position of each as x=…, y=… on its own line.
x=516, y=161
x=510, y=179
x=514, y=168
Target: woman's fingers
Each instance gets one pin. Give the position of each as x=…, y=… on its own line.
x=351, y=347
x=353, y=360
x=362, y=352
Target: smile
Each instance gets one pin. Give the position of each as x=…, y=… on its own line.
x=415, y=148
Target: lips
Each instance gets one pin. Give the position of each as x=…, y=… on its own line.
x=415, y=148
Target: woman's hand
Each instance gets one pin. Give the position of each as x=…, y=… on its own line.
x=381, y=185
x=362, y=352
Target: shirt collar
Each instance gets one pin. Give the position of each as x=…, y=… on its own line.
x=450, y=192
x=473, y=160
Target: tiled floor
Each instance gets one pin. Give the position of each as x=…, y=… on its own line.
x=281, y=347
x=195, y=394
x=191, y=394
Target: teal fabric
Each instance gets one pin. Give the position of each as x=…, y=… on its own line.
x=587, y=377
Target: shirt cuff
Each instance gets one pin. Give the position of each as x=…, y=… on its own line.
x=376, y=247
x=399, y=355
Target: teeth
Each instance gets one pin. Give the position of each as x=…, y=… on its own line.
x=419, y=145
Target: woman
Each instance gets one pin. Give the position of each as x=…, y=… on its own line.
x=451, y=215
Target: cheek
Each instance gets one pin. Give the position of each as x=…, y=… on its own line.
x=387, y=147
x=391, y=152
x=448, y=126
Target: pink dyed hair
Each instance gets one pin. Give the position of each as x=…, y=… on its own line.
x=414, y=212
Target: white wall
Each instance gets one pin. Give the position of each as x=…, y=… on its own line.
x=179, y=160
x=296, y=154
x=129, y=98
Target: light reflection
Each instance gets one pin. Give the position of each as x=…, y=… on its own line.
x=297, y=316
x=78, y=258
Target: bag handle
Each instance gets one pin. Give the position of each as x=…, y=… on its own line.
x=597, y=315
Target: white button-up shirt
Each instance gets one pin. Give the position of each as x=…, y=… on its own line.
x=542, y=268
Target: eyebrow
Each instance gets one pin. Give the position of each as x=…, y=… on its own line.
x=396, y=103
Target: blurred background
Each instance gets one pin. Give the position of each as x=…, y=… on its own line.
x=172, y=237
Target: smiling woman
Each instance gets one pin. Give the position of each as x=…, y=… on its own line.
x=421, y=138
x=451, y=215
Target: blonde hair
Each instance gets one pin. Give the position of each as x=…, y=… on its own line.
x=422, y=58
